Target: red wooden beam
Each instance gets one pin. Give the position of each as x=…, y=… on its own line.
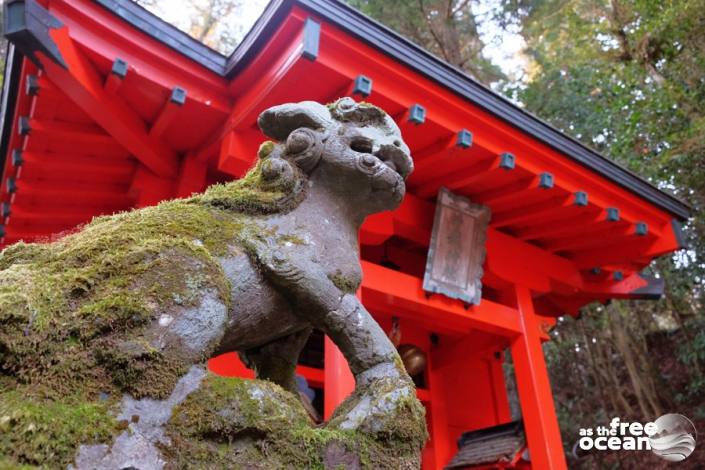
x=438, y=164
x=593, y=237
x=238, y=151
x=46, y=222
x=514, y=260
x=148, y=189
x=258, y=95
x=442, y=444
x=192, y=176
x=36, y=194
x=478, y=171
x=634, y=286
x=473, y=344
x=618, y=253
x=39, y=85
x=438, y=154
x=108, y=36
x=47, y=165
x=573, y=224
x=542, y=270
x=338, y=380
x=386, y=289
x=78, y=79
x=168, y=112
x=230, y=365
x=67, y=132
x=553, y=210
x=87, y=187
x=531, y=190
x=115, y=78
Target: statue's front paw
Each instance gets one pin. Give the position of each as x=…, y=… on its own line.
x=386, y=409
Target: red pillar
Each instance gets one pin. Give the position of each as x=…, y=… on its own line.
x=502, y=413
x=537, y=408
x=443, y=445
x=192, y=176
x=149, y=189
x=338, y=380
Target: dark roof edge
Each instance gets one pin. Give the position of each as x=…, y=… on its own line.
x=407, y=53
x=10, y=88
x=170, y=35
x=413, y=56
x=256, y=38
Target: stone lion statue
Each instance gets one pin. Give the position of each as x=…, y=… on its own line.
x=104, y=333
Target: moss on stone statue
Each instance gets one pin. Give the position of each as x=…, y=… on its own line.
x=75, y=319
x=73, y=313
x=252, y=194
x=238, y=423
x=343, y=110
x=35, y=431
x=393, y=419
x=345, y=284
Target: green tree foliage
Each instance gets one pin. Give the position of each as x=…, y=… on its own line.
x=627, y=77
x=449, y=29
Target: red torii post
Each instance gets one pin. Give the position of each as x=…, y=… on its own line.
x=538, y=411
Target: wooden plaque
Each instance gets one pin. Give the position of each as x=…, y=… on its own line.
x=457, y=249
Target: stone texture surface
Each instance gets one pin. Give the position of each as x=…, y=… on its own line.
x=104, y=332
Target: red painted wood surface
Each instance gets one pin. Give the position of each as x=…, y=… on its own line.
x=99, y=145
x=339, y=381
x=538, y=411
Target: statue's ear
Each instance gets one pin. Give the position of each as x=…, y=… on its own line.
x=278, y=122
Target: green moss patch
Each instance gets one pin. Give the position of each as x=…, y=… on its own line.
x=252, y=194
x=397, y=422
x=59, y=305
x=238, y=423
x=345, y=284
x=363, y=112
x=37, y=432
x=112, y=278
x=74, y=312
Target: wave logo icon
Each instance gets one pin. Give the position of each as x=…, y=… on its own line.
x=675, y=438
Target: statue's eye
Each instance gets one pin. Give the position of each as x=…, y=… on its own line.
x=361, y=145
x=299, y=140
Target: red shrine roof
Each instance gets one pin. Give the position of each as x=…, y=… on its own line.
x=107, y=107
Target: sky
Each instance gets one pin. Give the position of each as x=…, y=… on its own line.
x=502, y=47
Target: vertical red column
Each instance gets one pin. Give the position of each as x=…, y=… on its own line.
x=443, y=446
x=192, y=176
x=537, y=407
x=149, y=189
x=338, y=380
x=502, y=412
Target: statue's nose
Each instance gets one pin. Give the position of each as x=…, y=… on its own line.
x=395, y=158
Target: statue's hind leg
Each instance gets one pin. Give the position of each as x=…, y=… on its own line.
x=276, y=361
